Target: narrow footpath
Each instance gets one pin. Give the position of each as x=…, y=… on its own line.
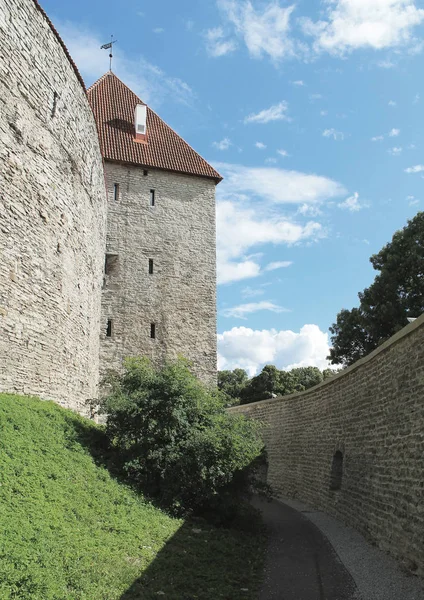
x=312, y=556
x=301, y=564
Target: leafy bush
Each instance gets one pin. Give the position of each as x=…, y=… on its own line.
x=176, y=440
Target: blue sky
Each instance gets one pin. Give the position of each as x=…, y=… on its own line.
x=312, y=111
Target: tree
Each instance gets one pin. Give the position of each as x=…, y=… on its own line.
x=328, y=373
x=350, y=338
x=396, y=294
x=231, y=383
x=175, y=439
x=262, y=386
x=306, y=377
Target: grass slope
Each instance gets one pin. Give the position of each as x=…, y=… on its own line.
x=68, y=529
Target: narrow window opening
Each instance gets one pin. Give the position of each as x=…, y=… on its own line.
x=109, y=328
x=152, y=330
x=116, y=191
x=152, y=197
x=336, y=471
x=151, y=266
x=55, y=97
x=111, y=264
x=145, y=173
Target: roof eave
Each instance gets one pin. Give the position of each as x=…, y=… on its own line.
x=217, y=179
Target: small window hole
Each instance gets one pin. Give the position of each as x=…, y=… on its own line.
x=153, y=330
x=109, y=328
x=336, y=471
x=116, y=191
x=111, y=264
x=150, y=266
x=152, y=197
x=55, y=97
x=145, y=173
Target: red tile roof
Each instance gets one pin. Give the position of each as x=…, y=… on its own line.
x=113, y=104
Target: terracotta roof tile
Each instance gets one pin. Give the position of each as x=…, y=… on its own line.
x=113, y=104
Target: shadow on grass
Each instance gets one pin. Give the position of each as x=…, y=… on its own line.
x=200, y=561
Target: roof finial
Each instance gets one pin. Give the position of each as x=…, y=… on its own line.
x=106, y=47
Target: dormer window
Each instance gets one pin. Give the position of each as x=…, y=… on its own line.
x=140, y=117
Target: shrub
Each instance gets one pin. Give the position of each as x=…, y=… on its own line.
x=176, y=440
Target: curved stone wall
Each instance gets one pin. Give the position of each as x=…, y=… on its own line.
x=52, y=215
x=354, y=445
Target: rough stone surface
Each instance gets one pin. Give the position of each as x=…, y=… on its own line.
x=52, y=216
x=374, y=414
x=178, y=233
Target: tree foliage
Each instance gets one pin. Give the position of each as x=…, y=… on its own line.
x=396, y=294
x=231, y=383
x=274, y=382
x=176, y=439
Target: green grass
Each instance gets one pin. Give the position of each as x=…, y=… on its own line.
x=68, y=529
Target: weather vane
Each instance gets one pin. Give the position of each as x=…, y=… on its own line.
x=108, y=46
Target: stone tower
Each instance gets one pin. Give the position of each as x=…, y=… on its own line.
x=159, y=292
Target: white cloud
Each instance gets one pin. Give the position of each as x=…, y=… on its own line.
x=266, y=31
x=313, y=97
x=352, y=203
x=277, y=185
x=223, y=144
x=271, y=161
x=158, y=30
x=386, y=64
x=239, y=229
x=353, y=24
x=416, y=99
x=377, y=138
x=249, y=292
x=216, y=44
x=277, y=112
x=323, y=113
x=298, y=83
x=416, y=169
x=395, y=151
x=412, y=201
x=336, y=135
x=240, y=311
x=260, y=145
x=392, y=103
x=394, y=132
x=228, y=272
x=311, y=210
x=283, y=153
x=147, y=80
x=245, y=348
x=248, y=215
x=282, y=264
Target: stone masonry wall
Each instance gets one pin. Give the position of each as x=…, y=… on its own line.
x=178, y=233
x=373, y=413
x=52, y=215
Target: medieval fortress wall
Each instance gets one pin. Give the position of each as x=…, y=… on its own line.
x=354, y=445
x=162, y=268
x=52, y=215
